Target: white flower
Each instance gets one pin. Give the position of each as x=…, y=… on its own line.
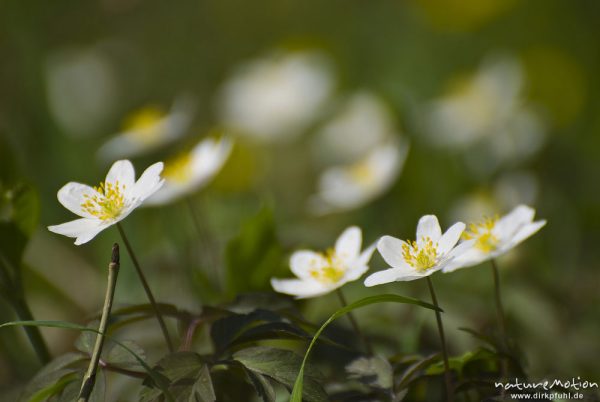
x=487, y=111
x=103, y=206
x=191, y=170
x=494, y=237
x=321, y=273
x=352, y=186
x=277, y=97
x=344, y=137
x=412, y=260
x=150, y=128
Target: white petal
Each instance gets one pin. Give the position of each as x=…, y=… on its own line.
x=353, y=273
x=450, y=238
x=148, y=183
x=524, y=233
x=429, y=227
x=506, y=226
x=390, y=249
x=123, y=172
x=347, y=246
x=382, y=277
x=304, y=261
x=457, y=252
x=207, y=158
x=299, y=288
x=83, y=229
x=365, y=256
x=72, y=195
x=469, y=258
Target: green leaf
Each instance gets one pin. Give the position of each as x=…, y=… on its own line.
x=410, y=373
x=282, y=366
x=458, y=363
x=118, y=357
x=299, y=383
x=203, y=390
x=261, y=384
x=159, y=380
x=373, y=371
x=254, y=256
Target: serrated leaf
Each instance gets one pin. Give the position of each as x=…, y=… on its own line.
x=227, y=329
x=373, y=371
x=121, y=358
x=297, y=391
x=203, y=390
x=282, y=366
x=262, y=385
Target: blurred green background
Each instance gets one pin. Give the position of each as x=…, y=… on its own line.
x=72, y=71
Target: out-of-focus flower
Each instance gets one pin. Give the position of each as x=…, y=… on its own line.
x=362, y=123
x=412, y=260
x=487, y=111
x=277, y=97
x=493, y=237
x=191, y=170
x=109, y=203
x=351, y=186
x=321, y=273
x=150, y=128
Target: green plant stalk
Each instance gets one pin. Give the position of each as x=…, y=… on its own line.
x=501, y=317
x=12, y=290
x=205, y=242
x=149, y=294
x=354, y=323
x=87, y=386
x=438, y=317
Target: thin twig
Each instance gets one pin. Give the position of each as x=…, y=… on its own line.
x=438, y=317
x=89, y=379
x=354, y=323
x=149, y=294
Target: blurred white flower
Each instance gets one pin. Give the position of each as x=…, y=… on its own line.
x=412, y=260
x=352, y=186
x=109, y=203
x=488, y=111
x=277, y=97
x=191, y=170
x=321, y=273
x=363, y=122
x=493, y=237
x=149, y=128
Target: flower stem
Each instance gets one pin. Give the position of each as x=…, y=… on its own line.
x=354, y=323
x=205, y=240
x=501, y=317
x=87, y=386
x=149, y=294
x=438, y=317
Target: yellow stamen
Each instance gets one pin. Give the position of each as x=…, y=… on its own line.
x=485, y=240
x=332, y=272
x=107, y=203
x=420, y=258
x=179, y=169
x=143, y=125
x=362, y=172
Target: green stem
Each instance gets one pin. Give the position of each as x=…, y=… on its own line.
x=354, y=323
x=205, y=240
x=438, y=317
x=501, y=317
x=149, y=294
x=87, y=386
x=33, y=333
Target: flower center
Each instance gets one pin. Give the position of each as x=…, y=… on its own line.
x=421, y=258
x=107, y=203
x=179, y=169
x=362, y=173
x=143, y=125
x=485, y=241
x=332, y=272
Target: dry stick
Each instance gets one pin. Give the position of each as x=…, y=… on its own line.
x=89, y=379
x=501, y=318
x=438, y=317
x=149, y=294
x=352, y=319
